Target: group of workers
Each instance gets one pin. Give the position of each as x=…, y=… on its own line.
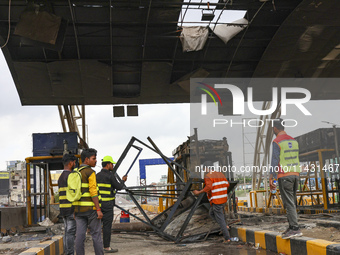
x=94, y=210
x=88, y=213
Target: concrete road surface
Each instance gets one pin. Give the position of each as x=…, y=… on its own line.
x=151, y=244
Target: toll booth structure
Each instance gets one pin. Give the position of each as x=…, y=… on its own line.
x=39, y=191
x=194, y=152
x=48, y=150
x=41, y=181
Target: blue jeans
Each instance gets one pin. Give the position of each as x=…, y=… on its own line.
x=69, y=235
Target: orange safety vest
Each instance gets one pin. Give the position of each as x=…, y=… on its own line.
x=218, y=192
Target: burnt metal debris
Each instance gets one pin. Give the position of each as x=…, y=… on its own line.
x=185, y=182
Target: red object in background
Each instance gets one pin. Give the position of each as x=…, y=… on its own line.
x=124, y=217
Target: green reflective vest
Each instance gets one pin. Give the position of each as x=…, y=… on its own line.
x=65, y=206
x=85, y=203
x=289, y=155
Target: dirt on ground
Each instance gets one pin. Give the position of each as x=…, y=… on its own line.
x=151, y=244
x=322, y=226
x=330, y=234
x=148, y=243
x=319, y=226
x=11, y=251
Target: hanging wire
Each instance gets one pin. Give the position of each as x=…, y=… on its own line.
x=212, y=30
x=273, y=3
x=9, y=23
x=245, y=31
x=74, y=28
x=224, y=8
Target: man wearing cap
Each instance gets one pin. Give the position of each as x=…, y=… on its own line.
x=108, y=184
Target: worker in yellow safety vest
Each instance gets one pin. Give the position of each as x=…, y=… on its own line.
x=87, y=210
x=66, y=208
x=285, y=165
x=108, y=184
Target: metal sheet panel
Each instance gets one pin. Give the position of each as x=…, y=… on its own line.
x=50, y=144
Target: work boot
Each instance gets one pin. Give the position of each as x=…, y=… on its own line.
x=292, y=233
x=285, y=231
x=110, y=250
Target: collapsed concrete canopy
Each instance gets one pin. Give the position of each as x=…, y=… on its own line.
x=129, y=52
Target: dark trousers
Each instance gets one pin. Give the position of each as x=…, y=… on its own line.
x=70, y=233
x=288, y=186
x=89, y=221
x=107, y=210
x=216, y=212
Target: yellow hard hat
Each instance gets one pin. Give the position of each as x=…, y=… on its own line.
x=108, y=159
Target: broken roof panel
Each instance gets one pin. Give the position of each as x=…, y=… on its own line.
x=110, y=50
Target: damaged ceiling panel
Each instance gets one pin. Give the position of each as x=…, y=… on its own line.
x=129, y=51
x=306, y=44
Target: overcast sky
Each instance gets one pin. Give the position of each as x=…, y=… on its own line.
x=167, y=124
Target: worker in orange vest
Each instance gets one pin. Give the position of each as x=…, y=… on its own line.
x=216, y=187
